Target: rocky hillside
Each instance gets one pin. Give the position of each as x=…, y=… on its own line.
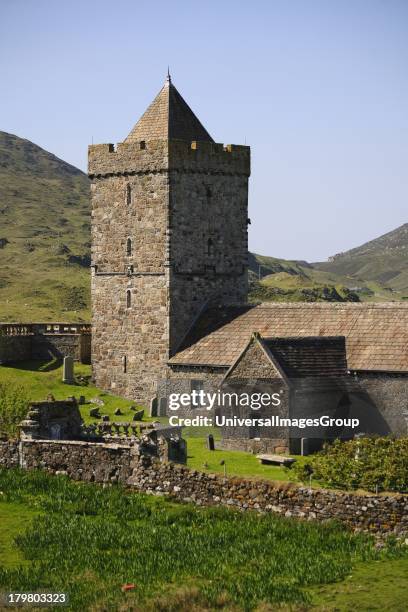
x=44, y=235
x=383, y=260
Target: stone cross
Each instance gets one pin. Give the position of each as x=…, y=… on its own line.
x=68, y=371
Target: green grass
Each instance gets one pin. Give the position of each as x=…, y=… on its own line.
x=41, y=379
x=379, y=585
x=235, y=463
x=15, y=518
x=89, y=540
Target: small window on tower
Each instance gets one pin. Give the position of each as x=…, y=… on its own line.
x=124, y=363
x=128, y=298
x=128, y=194
x=210, y=247
x=128, y=246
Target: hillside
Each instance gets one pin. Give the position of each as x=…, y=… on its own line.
x=281, y=280
x=44, y=235
x=383, y=260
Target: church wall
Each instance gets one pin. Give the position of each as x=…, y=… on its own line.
x=388, y=394
x=208, y=202
x=129, y=286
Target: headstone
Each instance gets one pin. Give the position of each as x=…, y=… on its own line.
x=304, y=446
x=94, y=412
x=162, y=407
x=210, y=442
x=117, y=412
x=138, y=416
x=68, y=371
x=153, y=407
x=106, y=418
x=81, y=400
x=55, y=431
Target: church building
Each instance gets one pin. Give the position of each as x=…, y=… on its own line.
x=169, y=283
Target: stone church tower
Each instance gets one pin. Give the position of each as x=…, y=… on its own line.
x=169, y=237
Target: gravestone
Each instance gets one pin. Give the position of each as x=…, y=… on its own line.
x=162, y=407
x=153, y=407
x=210, y=442
x=304, y=446
x=68, y=371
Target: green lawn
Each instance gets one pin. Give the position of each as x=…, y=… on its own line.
x=41, y=379
x=15, y=518
x=232, y=463
x=56, y=534
x=379, y=585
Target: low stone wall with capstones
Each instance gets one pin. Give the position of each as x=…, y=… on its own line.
x=377, y=514
x=136, y=468
x=44, y=341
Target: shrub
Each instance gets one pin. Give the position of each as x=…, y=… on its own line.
x=374, y=464
x=13, y=408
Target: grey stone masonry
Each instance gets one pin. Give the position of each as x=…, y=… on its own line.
x=169, y=236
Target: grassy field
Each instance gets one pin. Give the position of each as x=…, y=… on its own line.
x=89, y=541
x=41, y=379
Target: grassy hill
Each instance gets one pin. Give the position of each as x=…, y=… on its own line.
x=383, y=261
x=44, y=235
x=273, y=279
x=376, y=271
x=45, y=248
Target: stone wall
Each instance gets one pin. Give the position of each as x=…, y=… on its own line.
x=15, y=348
x=9, y=454
x=34, y=341
x=51, y=346
x=388, y=397
x=109, y=463
x=375, y=513
x=87, y=461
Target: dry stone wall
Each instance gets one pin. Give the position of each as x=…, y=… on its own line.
x=111, y=463
x=32, y=342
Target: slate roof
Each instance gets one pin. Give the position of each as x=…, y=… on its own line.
x=376, y=334
x=169, y=118
x=305, y=357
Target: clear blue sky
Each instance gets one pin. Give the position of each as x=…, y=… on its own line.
x=319, y=89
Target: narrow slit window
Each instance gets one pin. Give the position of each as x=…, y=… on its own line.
x=124, y=363
x=128, y=298
x=129, y=246
x=210, y=247
x=128, y=194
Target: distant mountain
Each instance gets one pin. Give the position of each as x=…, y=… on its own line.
x=383, y=260
x=44, y=235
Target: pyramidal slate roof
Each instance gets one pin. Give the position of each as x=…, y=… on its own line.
x=376, y=334
x=169, y=117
